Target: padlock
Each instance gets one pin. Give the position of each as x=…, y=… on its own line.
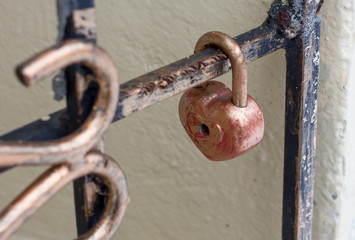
x=223, y=124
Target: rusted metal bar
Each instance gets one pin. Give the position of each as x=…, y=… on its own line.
x=192, y=71
x=164, y=82
x=302, y=54
x=77, y=19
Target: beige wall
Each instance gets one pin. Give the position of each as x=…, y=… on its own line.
x=175, y=192
x=334, y=216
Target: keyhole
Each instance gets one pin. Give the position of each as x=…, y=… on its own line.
x=204, y=130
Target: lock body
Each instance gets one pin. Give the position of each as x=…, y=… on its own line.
x=218, y=128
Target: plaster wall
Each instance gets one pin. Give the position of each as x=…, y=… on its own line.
x=334, y=202
x=175, y=192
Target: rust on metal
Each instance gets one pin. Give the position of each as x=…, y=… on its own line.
x=84, y=23
x=146, y=90
x=302, y=55
x=319, y=8
x=78, y=21
x=72, y=155
x=163, y=81
x=193, y=71
x=283, y=18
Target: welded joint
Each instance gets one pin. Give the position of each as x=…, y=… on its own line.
x=288, y=20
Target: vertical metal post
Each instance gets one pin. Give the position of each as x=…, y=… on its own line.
x=302, y=54
x=77, y=20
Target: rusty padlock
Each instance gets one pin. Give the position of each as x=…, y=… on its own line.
x=222, y=123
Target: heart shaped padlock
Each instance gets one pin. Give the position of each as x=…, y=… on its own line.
x=222, y=123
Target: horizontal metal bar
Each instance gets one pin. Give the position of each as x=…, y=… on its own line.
x=162, y=83
x=191, y=71
x=39, y=130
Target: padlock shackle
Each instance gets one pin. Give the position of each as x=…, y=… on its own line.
x=239, y=67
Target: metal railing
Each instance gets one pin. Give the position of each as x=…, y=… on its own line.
x=294, y=27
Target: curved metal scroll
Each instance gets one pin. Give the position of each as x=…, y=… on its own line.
x=71, y=153
x=90, y=132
